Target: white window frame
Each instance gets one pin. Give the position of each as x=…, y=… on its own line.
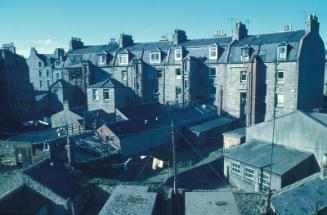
x=212, y=75
x=213, y=50
x=282, y=55
x=241, y=75
x=157, y=57
x=180, y=75
x=265, y=182
x=245, y=57
x=123, y=59
x=102, y=59
x=122, y=76
x=280, y=99
x=105, y=91
x=95, y=95
x=249, y=173
x=236, y=168
x=280, y=80
x=178, y=54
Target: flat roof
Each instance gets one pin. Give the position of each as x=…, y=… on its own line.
x=128, y=200
x=210, y=203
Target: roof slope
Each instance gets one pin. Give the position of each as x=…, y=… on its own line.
x=258, y=153
x=302, y=197
x=130, y=200
x=56, y=178
x=210, y=203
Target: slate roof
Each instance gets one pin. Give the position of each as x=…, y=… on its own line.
x=95, y=49
x=301, y=197
x=108, y=83
x=36, y=137
x=212, y=123
x=130, y=200
x=263, y=45
x=258, y=153
x=320, y=117
x=23, y=200
x=240, y=132
x=156, y=115
x=56, y=178
x=210, y=203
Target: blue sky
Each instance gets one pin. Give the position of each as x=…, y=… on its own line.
x=46, y=24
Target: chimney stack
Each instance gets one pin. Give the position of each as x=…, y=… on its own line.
x=312, y=24
x=323, y=171
x=75, y=43
x=240, y=32
x=10, y=47
x=125, y=40
x=179, y=37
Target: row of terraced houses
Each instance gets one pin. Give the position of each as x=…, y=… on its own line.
x=251, y=77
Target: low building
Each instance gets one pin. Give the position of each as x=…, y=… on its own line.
x=234, y=138
x=141, y=133
x=308, y=196
x=55, y=182
x=211, y=131
x=210, y=203
x=257, y=166
x=299, y=130
x=128, y=200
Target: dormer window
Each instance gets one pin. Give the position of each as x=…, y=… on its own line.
x=178, y=54
x=123, y=59
x=282, y=52
x=155, y=57
x=102, y=59
x=245, y=54
x=213, y=53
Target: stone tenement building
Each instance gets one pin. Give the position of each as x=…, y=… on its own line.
x=251, y=77
x=16, y=98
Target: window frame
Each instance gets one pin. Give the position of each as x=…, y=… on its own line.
x=248, y=175
x=95, y=95
x=280, y=97
x=242, y=75
x=245, y=54
x=264, y=183
x=282, y=55
x=280, y=80
x=102, y=59
x=210, y=74
x=106, y=92
x=124, y=77
x=213, y=50
x=159, y=73
x=180, y=53
x=178, y=76
x=123, y=56
x=237, y=168
x=156, y=60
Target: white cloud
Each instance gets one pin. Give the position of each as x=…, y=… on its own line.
x=46, y=42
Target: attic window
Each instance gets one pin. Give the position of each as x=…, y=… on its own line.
x=178, y=54
x=102, y=59
x=213, y=53
x=123, y=59
x=282, y=52
x=155, y=57
x=245, y=54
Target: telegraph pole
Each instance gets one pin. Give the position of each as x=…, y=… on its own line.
x=174, y=156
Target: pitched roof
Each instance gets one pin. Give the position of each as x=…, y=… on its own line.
x=55, y=177
x=108, y=83
x=212, y=123
x=23, y=200
x=258, y=153
x=302, y=197
x=95, y=49
x=210, y=203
